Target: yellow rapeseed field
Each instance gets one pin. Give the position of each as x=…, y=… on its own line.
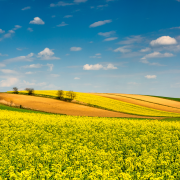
x=113, y=104
x=39, y=146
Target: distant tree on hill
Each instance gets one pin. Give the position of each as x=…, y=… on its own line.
x=15, y=90
x=71, y=95
x=60, y=94
x=30, y=91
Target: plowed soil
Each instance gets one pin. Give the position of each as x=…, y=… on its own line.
x=62, y=107
x=147, y=101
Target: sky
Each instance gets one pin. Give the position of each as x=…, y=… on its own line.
x=106, y=46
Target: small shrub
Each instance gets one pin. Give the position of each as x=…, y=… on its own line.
x=30, y=91
x=71, y=95
x=60, y=94
x=15, y=90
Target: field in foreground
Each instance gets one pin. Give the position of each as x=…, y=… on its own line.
x=114, y=104
x=39, y=146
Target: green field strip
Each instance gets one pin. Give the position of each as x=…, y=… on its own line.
x=169, y=98
x=146, y=101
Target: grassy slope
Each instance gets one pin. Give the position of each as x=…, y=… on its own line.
x=5, y=107
x=170, y=98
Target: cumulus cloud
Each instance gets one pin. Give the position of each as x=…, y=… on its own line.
x=3, y=54
x=8, y=71
x=106, y=34
x=79, y=1
x=122, y=49
x=163, y=40
x=1, y=31
x=100, y=23
x=131, y=40
x=76, y=78
x=111, y=39
x=26, y=8
x=157, y=55
x=20, y=58
x=98, y=55
x=151, y=76
x=98, y=67
x=33, y=66
x=47, y=54
x=2, y=65
x=145, y=50
x=29, y=72
x=8, y=82
x=37, y=20
x=50, y=66
x=55, y=75
x=75, y=48
x=101, y=6
x=62, y=24
x=17, y=27
x=68, y=16
x=30, y=29
x=61, y=3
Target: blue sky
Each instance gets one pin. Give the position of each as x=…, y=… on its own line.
x=112, y=46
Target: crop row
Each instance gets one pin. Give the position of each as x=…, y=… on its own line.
x=112, y=104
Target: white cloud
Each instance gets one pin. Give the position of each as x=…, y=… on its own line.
x=76, y=78
x=37, y=20
x=25, y=8
x=79, y=1
x=3, y=54
x=2, y=65
x=33, y=66
x=62, y=24
x=20, y=58
x=53, y=16
x=28, y=83
x=145, y=50
x=151, y=76
x=163, y=40
x=157, y=55
x=98, y=55
x=47, y=54
x=19, y=49
x=16, y=27
x=30, y=29
x=133, y=83
x=98, y=67
x=61, y=3
x=101, y=6
x=8, y=82
x=8, y=71
x=176, y=27
x=55, y=75
x=91, y=42
x=122, y=49
x=131, y=40
x=68, y=16
x=29, y=72
x=1, y=31
x=75, y=48
x=100, y=23
x=50, y=66
x=111, y=39
x=67, y=54
x=106, y=34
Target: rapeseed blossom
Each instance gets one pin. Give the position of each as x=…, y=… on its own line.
x=44, y=146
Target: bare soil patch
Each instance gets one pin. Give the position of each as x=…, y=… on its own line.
x=153, y=102
x=57, y=106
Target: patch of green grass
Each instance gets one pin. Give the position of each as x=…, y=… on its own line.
x=170, y=98
x=171, y=119
x=9, y=108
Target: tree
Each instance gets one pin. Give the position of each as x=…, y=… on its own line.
x=60, y=94
x=15, y=89
x=30, y=91
x=71, y=95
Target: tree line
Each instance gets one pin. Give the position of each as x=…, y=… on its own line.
x=60, y=93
